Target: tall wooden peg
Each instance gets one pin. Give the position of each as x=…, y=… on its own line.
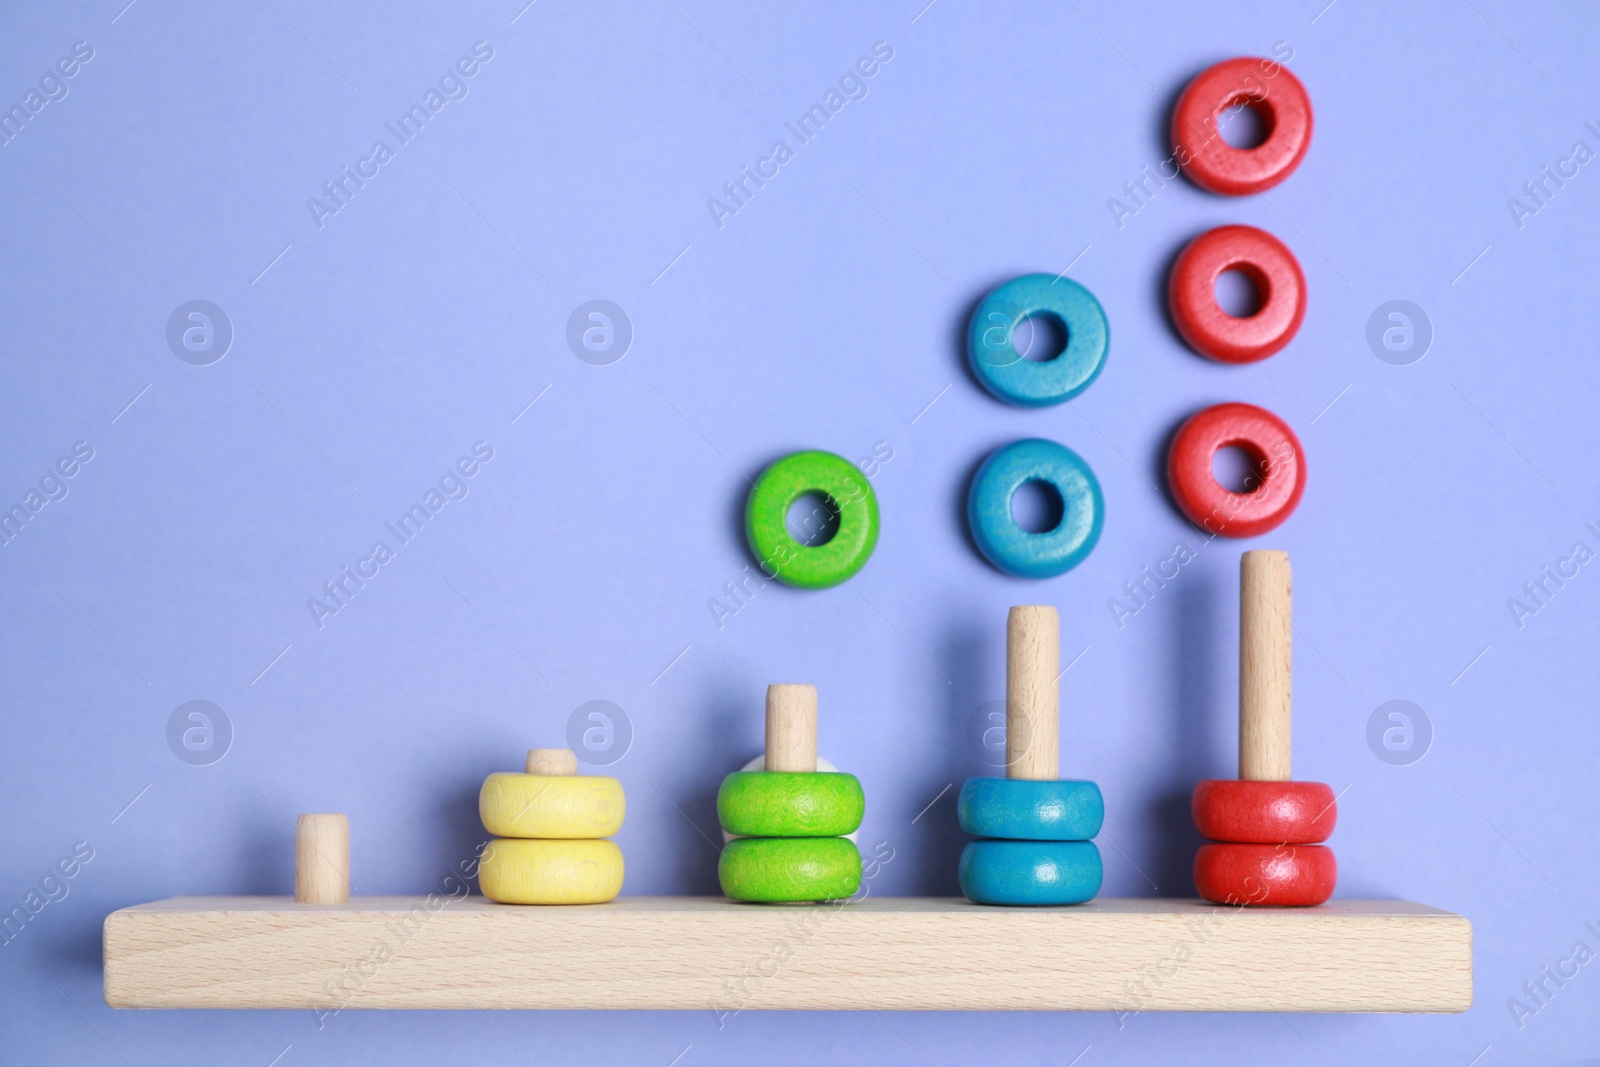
x=1033, y=693
x=322, y=859
x=1266, y=643
x=791, y=728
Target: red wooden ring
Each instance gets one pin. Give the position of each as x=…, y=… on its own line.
x=1265, y=813
x=1216, y=165
x=1265, y=875
x=1271, y=268
x=1271, y=444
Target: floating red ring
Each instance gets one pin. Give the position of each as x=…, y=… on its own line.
x=1265, y=875
x=1216, y=165
x=1271, y=268
x=1268, y=440
x=1265, y=813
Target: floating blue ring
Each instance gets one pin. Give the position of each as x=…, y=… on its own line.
x=1016, y=380
x=1010, y=547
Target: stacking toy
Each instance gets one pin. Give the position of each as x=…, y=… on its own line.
x=549, y=825
x=791, y=816
x=789, y=870
x=1268, y=441
x=1268, y=88
x=1036, y=828
x=1270, y=827
x=999, y=536
x=766, y=520
x=1012, y=377
x=1271, y=268
x=790, y=804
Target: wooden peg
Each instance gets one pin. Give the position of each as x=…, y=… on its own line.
x=1033, y=692
x=791, y=728
x=1266, y=644
x=561, y=762
x=322, y=859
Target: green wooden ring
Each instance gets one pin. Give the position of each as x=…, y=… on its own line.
x=790, y=804
x=811, y=566
x=776, y=870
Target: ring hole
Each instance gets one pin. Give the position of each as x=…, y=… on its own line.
x=813, y=519
x=1243, y=126
x=1037, y=506
x=1237, y=294
x=1040, y=337
x=1238, y=469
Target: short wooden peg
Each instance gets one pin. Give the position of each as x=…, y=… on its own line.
x=1266, y=643
x=322, y=859
x=561, y=762
x=791, y=728
x=1033, y=692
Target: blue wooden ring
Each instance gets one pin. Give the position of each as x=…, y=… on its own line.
x=1003, y=370
x=1023, y=810
x=1030, y=872
x=1010, y=547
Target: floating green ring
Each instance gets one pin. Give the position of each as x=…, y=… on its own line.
x=818, y=566
x=790, y=804
x=774, y=870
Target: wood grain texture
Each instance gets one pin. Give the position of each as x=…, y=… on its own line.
x=708, y=953
x=559, y=762
x=1266, y=651
x=1033, y=693
x=791, y=728
x=322, y=859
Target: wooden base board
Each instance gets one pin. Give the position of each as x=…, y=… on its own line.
x=937, y=954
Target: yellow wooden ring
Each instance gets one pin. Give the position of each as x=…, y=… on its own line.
x=518, y=871
x=564, y=807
